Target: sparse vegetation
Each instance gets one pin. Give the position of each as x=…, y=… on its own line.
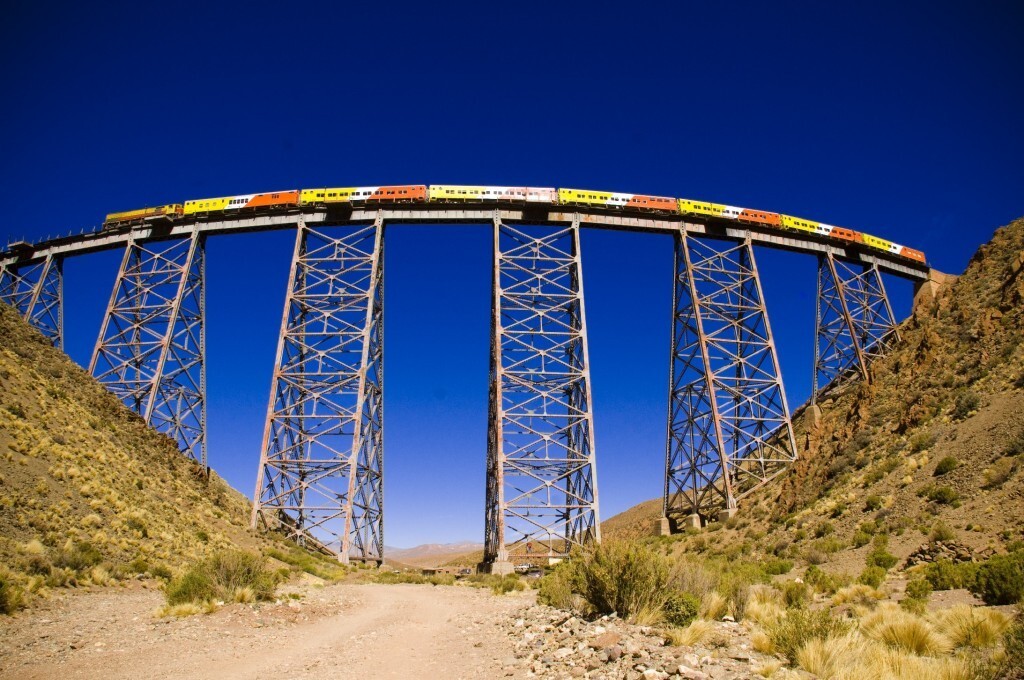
x=946, y=465
x=799, y=626
x=225, y=576
x=1000, y=580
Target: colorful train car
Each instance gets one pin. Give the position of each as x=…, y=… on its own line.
x=159, y=212
x=611, y=199
x=457, y=193
x=268, y=200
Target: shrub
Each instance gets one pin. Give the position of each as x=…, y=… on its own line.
x=1012, y=665
x=627, y=578
x=947, y=575
x=693, y=634
x=997, y=475
x=859, y=594
x=796, y=594
x=776, y=567
x=919, y=589
x=940, y=494
x=1015, y=446
x=945, y=466
x=800, y=626
x=823, y=529
x=872, y=576
x=12, y=598
x=1000, y=580
x=681, y=609
x=78, y=557
x=966, y=402
x=860, y=539
x=220, y=577
x=941, y=532
x=505, y=584
x=922, y=441
x=879, y=555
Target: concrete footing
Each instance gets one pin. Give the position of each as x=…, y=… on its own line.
x=726, y=515
x=664, y=527
x=498, y=568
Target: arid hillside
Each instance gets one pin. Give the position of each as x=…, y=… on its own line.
x=928, y=451
x=87, y=491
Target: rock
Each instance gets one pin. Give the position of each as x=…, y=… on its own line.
x=614, y=652
x=562, y=652
x=684, y=671
x=654, y=674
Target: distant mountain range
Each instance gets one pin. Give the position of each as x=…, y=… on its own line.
x=430, y=554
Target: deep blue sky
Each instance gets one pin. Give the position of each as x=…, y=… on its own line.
x=900, y=119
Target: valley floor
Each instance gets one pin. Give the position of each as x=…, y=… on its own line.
x=378, y=631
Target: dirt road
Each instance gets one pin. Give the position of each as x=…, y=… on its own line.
x=357, y=631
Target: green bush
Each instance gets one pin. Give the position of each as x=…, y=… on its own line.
x=873, y=502
x=795, y=594
x=823, y=529
x=220, y=576
x=680, y=608
x=505, y=584
x=1000, y=580
x=12, y=598
x=966, y=402
x=1015, y=446
x=880, y=555
x=919, y=589
x=873, y=576
x=947, y=575
x=946, y=465
x=940, y=494
x=922, y=441
x=860, y=539
x=1012, y=666
x=322, y=567
x=799, y=626
x=776, y=567
x=941, y=532
x=77, y=557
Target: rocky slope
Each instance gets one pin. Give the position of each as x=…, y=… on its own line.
x=87, y=491
x=930, y=447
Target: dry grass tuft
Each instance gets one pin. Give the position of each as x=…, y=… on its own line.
x=697, y=632
x=768, y=668
x=858, y=594
x=904, y=631
x=974, y=627
x=187, y=609
x=764, y=605
x=829, y=657
x=713, y=606
x=244, y=594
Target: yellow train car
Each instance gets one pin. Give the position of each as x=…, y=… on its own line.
x=458, y=192
x=881, y=244
x=801, y=224
x=143, y=214
x=203, y=205
x=312, y=196
x=705, y=209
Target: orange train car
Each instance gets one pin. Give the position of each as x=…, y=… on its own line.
x=416, y=193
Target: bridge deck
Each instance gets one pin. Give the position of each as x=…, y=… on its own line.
x=420, y=214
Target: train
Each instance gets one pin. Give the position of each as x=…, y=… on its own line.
x=452, y=193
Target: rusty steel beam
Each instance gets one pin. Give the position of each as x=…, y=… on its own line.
x=320, y=479
x=541, y=497
x=729, y=429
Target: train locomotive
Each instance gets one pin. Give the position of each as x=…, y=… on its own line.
x=247, y=204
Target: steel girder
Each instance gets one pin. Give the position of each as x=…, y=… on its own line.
x=729, y=428
x=853, y=322
x=541, y=495
x=320, y=475
x=37, y=292
x=151, y=351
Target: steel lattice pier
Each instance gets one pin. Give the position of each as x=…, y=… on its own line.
x=320, y=475
x=853, y=322
x=541, y=475
x=729, y=428
x=36, y=290
x=151, y=351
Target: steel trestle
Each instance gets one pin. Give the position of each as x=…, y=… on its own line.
x=729, y=428
x=541, y=497
x=37, y=292
x=320, y=474
x=853, y=322
x=151, y=351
